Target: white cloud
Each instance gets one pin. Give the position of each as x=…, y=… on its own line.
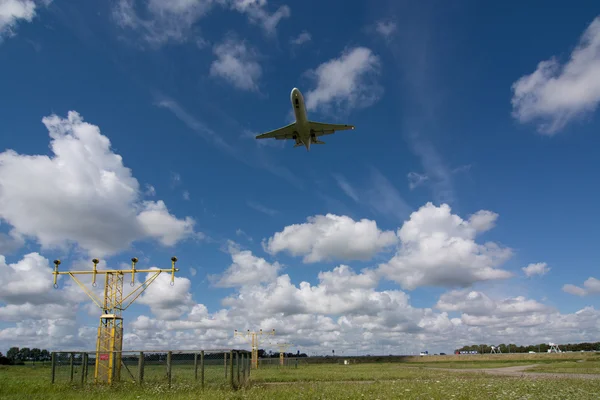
x=165, y=301
x=256, y=13
x=556, y=94
x=177, y=21
x=438, y=248
x=478, y=304
x=385, y=28
x=343, y=311
x=346, y=82
x=590, y=287
x=330, y=236
x=302, y=38
x=14, y=11
x=82, y=194
x=186, y=195
x=236, y=63
x=150, y=190
x=193, y=271
x=536, y=269
x=246, y=269
x=168, y=21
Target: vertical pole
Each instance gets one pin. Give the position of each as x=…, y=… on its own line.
x=195, y=366
x=141, y=368
x=243, y=361
x=225, y=364
x=169, y=354
x=53, y=362
x=72, y=365
x=83, y=365
x=202, y=368
x=237, y=361
x=231, y=368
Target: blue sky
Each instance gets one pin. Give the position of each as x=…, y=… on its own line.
x=451, y=106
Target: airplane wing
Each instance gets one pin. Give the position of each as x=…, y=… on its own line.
x=321, y=128
x=287, y=132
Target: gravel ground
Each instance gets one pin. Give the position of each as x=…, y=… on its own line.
x=521, y=371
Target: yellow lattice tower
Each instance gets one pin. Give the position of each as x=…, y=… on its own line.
x=282, y=348
x=109, y=342
x=255, y=340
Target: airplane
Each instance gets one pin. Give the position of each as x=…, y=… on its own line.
x=303, y=131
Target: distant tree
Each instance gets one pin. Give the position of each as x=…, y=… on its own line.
x=45, y=355
x=13, y=353
x=36, y=354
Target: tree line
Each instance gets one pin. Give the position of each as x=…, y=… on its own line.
x=538, y=348
x=16, y=356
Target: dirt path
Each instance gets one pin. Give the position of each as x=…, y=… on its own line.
x=521, y=370
x=517, y=371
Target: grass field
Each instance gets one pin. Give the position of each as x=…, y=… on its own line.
x=414, y=379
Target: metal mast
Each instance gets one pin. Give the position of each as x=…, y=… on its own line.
x=109, y=342
x=254, y=338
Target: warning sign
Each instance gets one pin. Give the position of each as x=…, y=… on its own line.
x=103, y=357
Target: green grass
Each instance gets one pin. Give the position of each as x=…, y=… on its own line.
x=330, y=381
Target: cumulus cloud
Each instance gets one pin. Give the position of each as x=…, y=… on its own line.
x=344, y=311
x=590, y=287
x=246, y=269
x=536, y=269
x=478, y=304
x=555, y=94
x=83, y=194
x=326, y=237
x=346, y=82
x=438, y=248
x=12, y=12
x=236, y=63
x=177, y=21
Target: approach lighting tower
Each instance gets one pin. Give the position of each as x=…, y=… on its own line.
x=282, y=348
x=554, y=348
x=109, y=342
x=255, y=339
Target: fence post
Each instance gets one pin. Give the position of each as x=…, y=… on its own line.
x=202, y=368
x=248, y=363
x=225, y=364
x=237, y=362
x=195, y=366
x=87, y=366
x=231, y=368
x=141, y=361
x=72, y=365
x=243, y=361
x=53, y=362
x=169, y=354
x=83, y=361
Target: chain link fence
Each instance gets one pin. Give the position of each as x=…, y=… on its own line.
x=206, y=368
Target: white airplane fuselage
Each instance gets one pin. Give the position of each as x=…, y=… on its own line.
x=303, y=132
